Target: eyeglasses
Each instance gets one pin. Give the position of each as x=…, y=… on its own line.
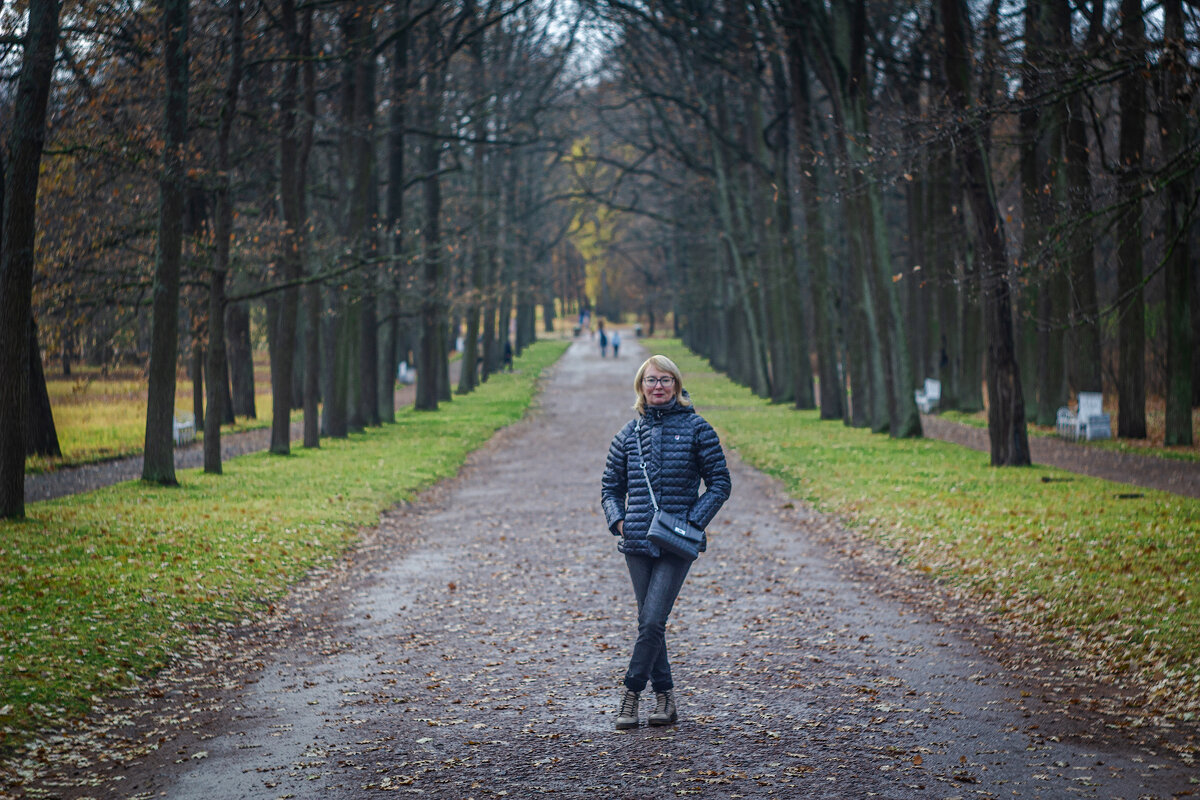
x=666, y=381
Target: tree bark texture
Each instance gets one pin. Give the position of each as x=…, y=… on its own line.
x=433, y=344
x=222, y=238
x=285, y=308
x=1180, y=127
x=41, y=435
x=241, y=360
x=1084, y=335
x=1131, y=307
x=469, y=378
x=394, y=207
x=158, y=465
x=363, y=219
x=1009, y=443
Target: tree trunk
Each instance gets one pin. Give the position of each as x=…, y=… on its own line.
x=41, y=434
x=432, y=367
x=216, y=326
x=197, y=372
x=395, y=191
x=433, y=344
x=285, y=309
x=1084, y=336
x=241, y=360
x=158, y=465
x=1180, y=126
x=312, y=365
x=1006, y=408
x=312, y=291
x=363, y=217
x=1131, y=307
x=1043, y=178
x=334, y=347
x=222, y=236
x=468, y=377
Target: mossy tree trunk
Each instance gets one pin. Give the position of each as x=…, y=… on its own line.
x=1009, y=443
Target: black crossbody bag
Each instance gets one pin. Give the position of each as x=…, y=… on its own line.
x=668, y=531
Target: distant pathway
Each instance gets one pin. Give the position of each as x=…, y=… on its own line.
x=473, y=646
x=1168, y=475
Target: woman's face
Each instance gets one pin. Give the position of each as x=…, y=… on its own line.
x=658, y=386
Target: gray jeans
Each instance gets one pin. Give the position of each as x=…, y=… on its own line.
x=656, y=582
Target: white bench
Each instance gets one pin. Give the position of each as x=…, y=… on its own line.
x=185, y=429
x=1088, y=423
x=929, y=397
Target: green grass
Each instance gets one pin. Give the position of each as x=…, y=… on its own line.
x=100, y=588
x=1116, y=579
x=104, y=417
x=1152, y=446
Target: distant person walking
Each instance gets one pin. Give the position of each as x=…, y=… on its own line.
x=616, y=343
x=603, y=340
x=680, y=449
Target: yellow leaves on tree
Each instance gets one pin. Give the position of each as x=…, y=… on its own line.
x=594, y=224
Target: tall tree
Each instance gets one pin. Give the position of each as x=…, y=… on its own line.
x=1180, y=127
x=364, y=216
x=158, y=464
x=1131, y=306
x=222, y=236
x=468, y=377
x=283, y=310
x=1009, y=442
x=1085, y=357
x=394, y=208
x=312, y=290
x=431, y=362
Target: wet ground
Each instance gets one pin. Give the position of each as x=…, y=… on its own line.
x=473, y=647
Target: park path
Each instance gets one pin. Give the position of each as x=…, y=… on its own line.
x=473, y=646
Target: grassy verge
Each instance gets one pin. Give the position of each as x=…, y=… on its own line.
x=1151, y=447
x=99, y=418
x=1116, y=579
x=98, y=589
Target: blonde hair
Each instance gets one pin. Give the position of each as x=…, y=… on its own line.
x=662, y=364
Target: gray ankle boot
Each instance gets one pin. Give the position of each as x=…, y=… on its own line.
x=627, y=712
x=664, y=712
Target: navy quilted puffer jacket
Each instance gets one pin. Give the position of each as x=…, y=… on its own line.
x=680, y=449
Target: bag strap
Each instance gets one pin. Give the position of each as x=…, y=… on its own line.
x=637, y=436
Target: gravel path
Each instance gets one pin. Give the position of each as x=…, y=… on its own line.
x=472, y=648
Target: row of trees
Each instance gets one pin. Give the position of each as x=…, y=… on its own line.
x=868, y=194
x=836, y=200
x=368, y=178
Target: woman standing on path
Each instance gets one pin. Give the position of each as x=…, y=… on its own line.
x=680, y=449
